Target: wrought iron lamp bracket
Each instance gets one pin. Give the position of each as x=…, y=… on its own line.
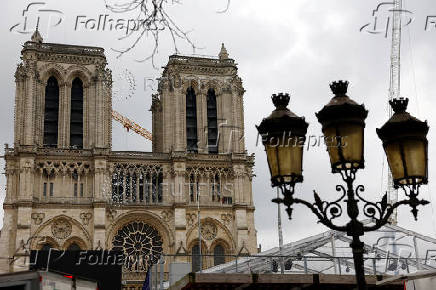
x=327, y=211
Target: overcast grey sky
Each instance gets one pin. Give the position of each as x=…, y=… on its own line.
x=297, y=46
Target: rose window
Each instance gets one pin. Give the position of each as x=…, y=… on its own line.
x=141, y=245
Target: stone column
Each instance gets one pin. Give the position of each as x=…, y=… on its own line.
x=102, y=187
x=26, y=176
x=19, y=114
x=241, y=228
x=99, y=215
x=179, y=124
x=168, y=186
x=179, y=182
x=28, y=109
x=62, y=117
x=225, y=122
x=7, y=238
x=238, y=185
x=22, y=235
x=99, y=115
x=180, y=233
x=91, y=118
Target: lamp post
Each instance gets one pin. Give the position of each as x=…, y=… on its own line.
x=343, y=122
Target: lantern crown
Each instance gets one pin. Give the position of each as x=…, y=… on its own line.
x=341, y=107
x=401, y=123
x=399, y=105
x=339, y=88
x=280, y=101
x=282, y=119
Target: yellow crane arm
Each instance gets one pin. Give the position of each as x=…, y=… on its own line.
x=129, y=124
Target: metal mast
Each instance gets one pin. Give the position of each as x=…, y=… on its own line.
x=394, y=86
x=279, y=229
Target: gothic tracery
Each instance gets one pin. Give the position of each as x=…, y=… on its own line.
x=140, y=243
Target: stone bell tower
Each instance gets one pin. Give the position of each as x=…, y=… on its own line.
x=198, y=119
x=63, y=97
x=62, y=137
x=200, y=108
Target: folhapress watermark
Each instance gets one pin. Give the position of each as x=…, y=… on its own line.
x=104, y=22
x=37, y=14
x=382, y=20
x=311, y=141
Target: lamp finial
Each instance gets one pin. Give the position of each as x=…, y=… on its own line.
x=339, y=88
x=280, y=100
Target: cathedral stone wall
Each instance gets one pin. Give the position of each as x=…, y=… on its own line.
x=146, y=204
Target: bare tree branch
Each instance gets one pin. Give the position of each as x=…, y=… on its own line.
x=152, y=20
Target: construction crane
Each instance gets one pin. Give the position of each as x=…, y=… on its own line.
x=394, y=86
x=129, y=124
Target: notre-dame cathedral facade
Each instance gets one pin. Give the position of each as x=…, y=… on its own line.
x=67, y=189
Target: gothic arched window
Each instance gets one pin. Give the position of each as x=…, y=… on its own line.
x=76, y=117
x=191, y=121
x=218, y=255
x=195, y=258
x=51, y=113
x=73, y=247
x=212, y=126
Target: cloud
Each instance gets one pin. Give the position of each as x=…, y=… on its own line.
x=290, y=46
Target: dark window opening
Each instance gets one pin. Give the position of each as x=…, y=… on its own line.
x=141, y=188
x=147, y=190
x=74, y=247
x=115, y=185
x=127, y=188
x=136, y=187
x=51, y=113
x=134, y=193
x=191, y=187
x=44, y=191
x=212, y=125
x=227, y=200
x=195, y=258
x=218, y=255
x=76, y=117
x=120, y=187
x=191, y=121
x=51, y=188
x=46, y=247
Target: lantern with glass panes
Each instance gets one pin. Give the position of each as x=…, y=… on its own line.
x=343, y=121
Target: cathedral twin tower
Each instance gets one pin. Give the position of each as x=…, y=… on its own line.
x=67, y=189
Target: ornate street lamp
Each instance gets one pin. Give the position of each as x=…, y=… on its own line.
x=283, y=135
x=343, y=122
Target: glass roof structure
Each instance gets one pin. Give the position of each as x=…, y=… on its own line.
x=391, y=250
